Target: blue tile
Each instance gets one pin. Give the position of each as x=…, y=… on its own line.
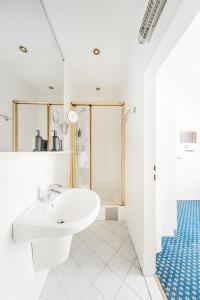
x=178, y=264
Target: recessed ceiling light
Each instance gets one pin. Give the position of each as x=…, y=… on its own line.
x=23, y=49
x=98, y=88
x=51, y=87
x=96, y=51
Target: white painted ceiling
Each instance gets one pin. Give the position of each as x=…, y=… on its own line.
x=81, y=26
x=23, y=22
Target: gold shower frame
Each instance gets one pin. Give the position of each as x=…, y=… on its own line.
x=15, y=104
x=73, y=105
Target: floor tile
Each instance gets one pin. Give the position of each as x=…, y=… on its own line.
x=94, y=242
x=120, y=265
x=129, y=241
x=178, y=263
x=84, y=235
x=136, y=282
x=112, y=225
x=115, y=241
x=98, y=269
x=75, y=242
x=104, y=233
x=92, y=267
x=128, y=251
x=50, y=286
x=77, y=285
x=122, y=232
x=93, y=294
x=105, y=252
x=136, y=263
x=153, y=287
x=59, y=294
x=81, y=253
x=123, y=223
x=66, y=269
x=125, y=293
x=94, y=227
x=108, y=284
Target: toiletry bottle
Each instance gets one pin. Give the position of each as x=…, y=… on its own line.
x=38, y=141
x=55, y=141
x=79, y=133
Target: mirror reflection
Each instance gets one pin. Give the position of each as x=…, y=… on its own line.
x=31, y=76
x=37, y=126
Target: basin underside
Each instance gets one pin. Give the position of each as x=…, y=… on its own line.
x=49, y=252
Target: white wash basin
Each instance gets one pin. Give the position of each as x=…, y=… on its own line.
x=50, y=226
x=76, y=208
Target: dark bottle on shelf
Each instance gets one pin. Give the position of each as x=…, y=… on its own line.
x=38, y=141
x=55, y=141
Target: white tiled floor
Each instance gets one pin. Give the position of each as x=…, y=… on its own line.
x=102, y=265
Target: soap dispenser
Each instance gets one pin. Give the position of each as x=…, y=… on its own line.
x=55, y=141
x=38, y=141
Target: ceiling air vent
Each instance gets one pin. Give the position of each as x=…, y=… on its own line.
x=150, y=19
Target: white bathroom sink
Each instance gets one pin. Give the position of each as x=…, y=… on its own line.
x=50, y=226
x=68, y=213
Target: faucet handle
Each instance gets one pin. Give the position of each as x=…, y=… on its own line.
x=54, y=185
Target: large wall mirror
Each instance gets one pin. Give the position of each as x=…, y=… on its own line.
x=31, y=80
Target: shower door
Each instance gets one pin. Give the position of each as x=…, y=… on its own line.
x=97, y=147
x=82, y=176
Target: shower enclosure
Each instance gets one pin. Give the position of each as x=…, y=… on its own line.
x=97, y=144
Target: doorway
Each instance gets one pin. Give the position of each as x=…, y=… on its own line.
x=97, y=150
x=178, y=162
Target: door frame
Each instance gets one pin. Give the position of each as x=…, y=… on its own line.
x=185, y=14
x=73, y=105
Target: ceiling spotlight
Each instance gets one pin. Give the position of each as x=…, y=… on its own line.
x=98, y=88
x=51, y=87
x=96, y=51
x=23, y=49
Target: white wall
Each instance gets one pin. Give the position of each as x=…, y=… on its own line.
x=188, y=163
x=166, y=154
x=11, y=88
x=21, y=174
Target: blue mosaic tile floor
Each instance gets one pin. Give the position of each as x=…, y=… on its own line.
x=178, y=264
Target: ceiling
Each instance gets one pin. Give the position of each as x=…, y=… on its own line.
x=80, y=27
x=23, y=22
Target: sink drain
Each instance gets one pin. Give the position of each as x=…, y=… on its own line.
x=60, y=221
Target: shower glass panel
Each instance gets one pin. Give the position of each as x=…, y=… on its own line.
x=106, y=153
x=98, y=150
x=82, y=148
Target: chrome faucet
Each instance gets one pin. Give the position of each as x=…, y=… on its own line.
x=44, y=196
